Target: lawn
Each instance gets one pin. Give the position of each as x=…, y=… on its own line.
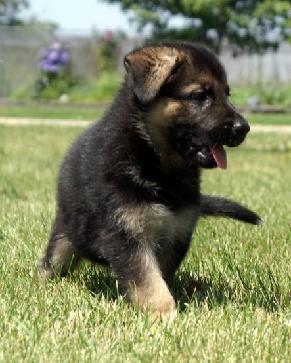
x=38, y=110
x=75, y=112
x=240, y=310
x=269, y=118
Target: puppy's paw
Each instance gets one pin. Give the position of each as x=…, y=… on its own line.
x=163, y=308
x=44, y=272
x=165, y=313
x=157, y=301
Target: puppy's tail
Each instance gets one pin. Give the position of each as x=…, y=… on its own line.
x=222, y=207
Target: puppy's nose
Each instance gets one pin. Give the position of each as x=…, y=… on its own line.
x=240, y=128
x=235, y=130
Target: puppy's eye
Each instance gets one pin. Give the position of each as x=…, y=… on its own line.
x=201, y=96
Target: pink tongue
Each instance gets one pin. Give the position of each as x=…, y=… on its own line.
x=219, y=155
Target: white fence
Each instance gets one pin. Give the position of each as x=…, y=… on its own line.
x=269, y=68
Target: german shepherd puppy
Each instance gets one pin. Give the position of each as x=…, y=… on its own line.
x=129, y=187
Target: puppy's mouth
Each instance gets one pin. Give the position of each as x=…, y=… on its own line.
x=210, y=156
x=205, y=150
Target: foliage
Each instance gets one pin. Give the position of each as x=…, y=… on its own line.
x=267, y=94
x=102, y=89
x=108, y=50
x=9, y=11
x=250, y=25
x=272, y=95
x=55, y=78
x=240, y=275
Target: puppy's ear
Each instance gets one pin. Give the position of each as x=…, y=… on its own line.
x=149, y=68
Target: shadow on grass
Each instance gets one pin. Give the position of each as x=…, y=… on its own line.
x=188, y=290
x=99, y=281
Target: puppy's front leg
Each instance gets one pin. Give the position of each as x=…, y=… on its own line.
x=151, y=290
x=145, y=285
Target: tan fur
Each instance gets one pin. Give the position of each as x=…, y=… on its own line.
x=152, y=292
x=158, y=122
x=63, y=258
x=191, y=88
x=157, y=63
x=151, y=222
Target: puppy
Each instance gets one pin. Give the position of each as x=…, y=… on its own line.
x=129, y=187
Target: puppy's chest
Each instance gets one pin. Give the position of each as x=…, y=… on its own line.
x=155, y=222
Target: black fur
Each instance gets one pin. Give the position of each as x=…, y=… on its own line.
x=222, y=207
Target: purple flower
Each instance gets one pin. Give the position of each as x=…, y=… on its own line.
x=64, y=57
x=53, y=59
x=53, y=56
x=46, y=66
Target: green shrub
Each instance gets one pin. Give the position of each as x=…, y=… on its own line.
x=101, y=89
x=267, y=94
x=108, y=50
x=56, y=86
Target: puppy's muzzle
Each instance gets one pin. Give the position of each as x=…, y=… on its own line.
x=234, y=131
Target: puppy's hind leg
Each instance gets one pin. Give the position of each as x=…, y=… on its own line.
x=60, y=256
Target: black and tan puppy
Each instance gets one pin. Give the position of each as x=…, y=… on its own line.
x=129, y=187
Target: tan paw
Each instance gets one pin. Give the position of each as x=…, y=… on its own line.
x=164, y=314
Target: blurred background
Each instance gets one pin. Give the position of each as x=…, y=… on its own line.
x=63, y=53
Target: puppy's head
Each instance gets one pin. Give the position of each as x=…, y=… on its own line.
x=184, y=91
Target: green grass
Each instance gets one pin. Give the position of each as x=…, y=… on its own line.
x=269, y=118
x=52, y=111
x=92, y=113
x=241, y=308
